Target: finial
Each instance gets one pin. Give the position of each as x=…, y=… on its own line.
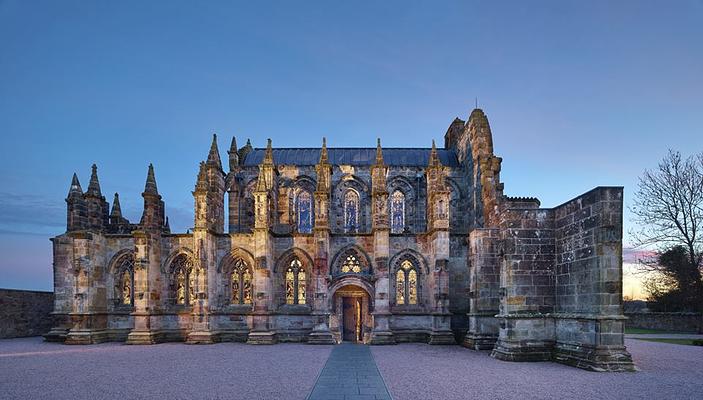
x=434, y=157
x=323, y=152
x=75, y=186
x=116, y=209
x=233, y=154
x=150, y=186
x=213, y=157
x=379, y=153
x=94, y=185
x=268, y=157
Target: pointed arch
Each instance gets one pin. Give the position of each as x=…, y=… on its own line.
x=359, y=209
x=294, y=271
x=407, y=268
x=408, y=210
x=121, y=274
x=350, y=259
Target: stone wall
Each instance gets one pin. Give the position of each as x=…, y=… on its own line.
x=25, y=313
x=674, y=322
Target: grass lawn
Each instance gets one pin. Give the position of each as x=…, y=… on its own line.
x=649, y=331
x=689, y=342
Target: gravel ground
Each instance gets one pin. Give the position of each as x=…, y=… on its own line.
x=32, y=369
x=419, y=371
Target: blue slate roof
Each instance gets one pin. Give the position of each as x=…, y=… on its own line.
x=359, y=156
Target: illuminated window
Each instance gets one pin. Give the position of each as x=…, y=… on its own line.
x=184, y=281
x=406, y=284
x=124, y=286
x=351, y=264
x=304, y=208
x=295, y=283
x=351, y=211
x=241, y=283
x=397, y=212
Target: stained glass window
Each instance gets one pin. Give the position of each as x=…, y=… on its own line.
x=295, y=283
x=397, y=212
x=304, y=208
x=406, y=284
x=351, y=211
x=241, y=283
x=351, y=264
x=400, y=287
x=184, y=280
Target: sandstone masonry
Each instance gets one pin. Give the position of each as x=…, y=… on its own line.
x=373, y=245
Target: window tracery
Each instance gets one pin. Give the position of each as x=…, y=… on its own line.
x=351, y=211
x=295, y=283
x=351, y=265
x=397, y=212
x=304, y=208
x=184, y=281
x=406, y=284
x=241, y=281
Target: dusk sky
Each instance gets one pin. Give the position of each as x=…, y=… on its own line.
x=578, y=94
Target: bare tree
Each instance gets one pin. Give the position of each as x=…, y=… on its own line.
x=668, y=206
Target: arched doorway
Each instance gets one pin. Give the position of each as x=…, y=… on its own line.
x=351, y=319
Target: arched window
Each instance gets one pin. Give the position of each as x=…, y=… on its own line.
x=406, y=284
x=351, y=265
x=184, y=280
x=124, y=282
x=295, y=283
x=351, y=211
x=304, y=208
x=397, y=212
x=240, y=280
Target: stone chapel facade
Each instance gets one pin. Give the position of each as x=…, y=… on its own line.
x=372, y=245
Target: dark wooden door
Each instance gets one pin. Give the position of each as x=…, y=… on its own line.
x=349, y=309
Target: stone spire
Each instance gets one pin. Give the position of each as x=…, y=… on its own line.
x=379, y=152
x=76, y=208
x=213, y=157
x=150, y=186
x=94, y=185
x=324, y=159
x=75, y=188
x=245, y=150
x=201, y=183
x=116, y=210
x=434, y=157
x=233, y=155
x=268, y=157
x=153, y=214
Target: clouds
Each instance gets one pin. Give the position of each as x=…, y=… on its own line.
x=31, y=214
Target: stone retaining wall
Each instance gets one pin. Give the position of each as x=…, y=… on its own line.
x=667, y=321
x=25, y=313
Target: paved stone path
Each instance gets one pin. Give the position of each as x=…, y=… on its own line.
x=350, y=374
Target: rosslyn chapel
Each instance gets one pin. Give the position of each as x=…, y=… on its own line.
x=368, y=244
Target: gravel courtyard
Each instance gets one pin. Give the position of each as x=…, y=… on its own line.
x=31, y=369
x=416, y=371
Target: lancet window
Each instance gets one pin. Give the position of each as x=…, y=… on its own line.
x=304, y=212
x=406, y=284
x=241, y=283
x=184, y=280
x=295, y=283
x=351, y=211
x=397, y=212
x=124, y=286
